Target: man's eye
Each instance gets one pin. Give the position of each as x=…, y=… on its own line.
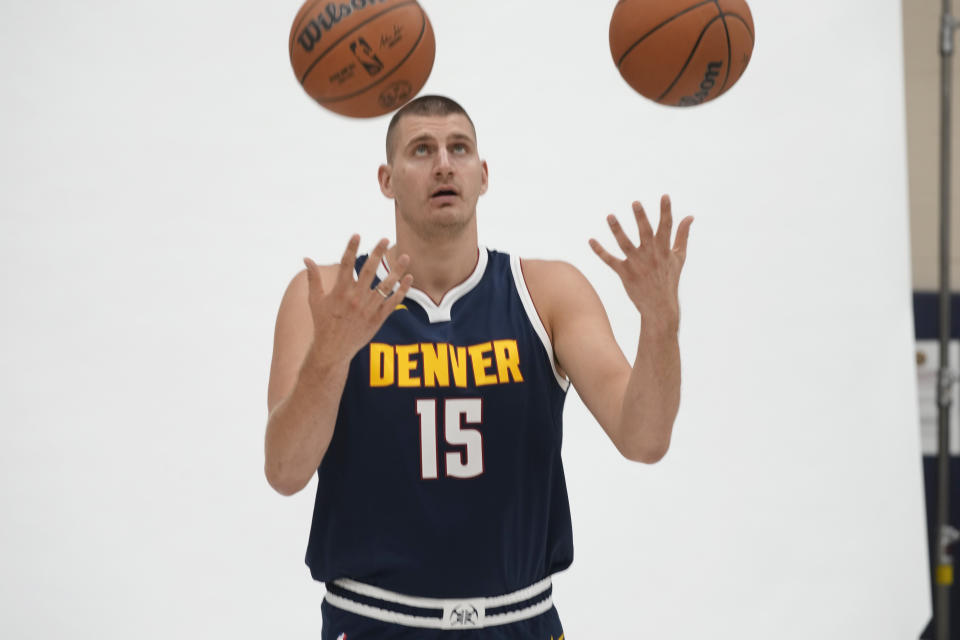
x=420, y=149
x=460, y=147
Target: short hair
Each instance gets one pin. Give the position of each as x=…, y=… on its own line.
x=429, y=105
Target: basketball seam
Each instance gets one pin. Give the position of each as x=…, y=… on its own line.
x=726, y=78
x=423, y=30
x=687, y=63
x=347, y=35
x=745, y=24
x=667, y=21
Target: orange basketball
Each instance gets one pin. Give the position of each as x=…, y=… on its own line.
x=362, y=58
x=681, y=52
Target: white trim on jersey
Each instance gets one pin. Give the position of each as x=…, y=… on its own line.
x=535, y=318
x=441, y=312
x=478, y=606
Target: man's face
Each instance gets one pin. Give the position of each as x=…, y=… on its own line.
x=435, y=174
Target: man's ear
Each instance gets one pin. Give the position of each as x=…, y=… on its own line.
x=385, y=177
x=485, y=177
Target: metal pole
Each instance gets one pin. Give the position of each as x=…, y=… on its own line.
x=946, y=534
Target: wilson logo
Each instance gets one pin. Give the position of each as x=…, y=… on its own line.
x=328, y=17
x=709, y=82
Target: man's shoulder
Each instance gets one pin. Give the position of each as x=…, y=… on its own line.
x=552, y=276
x=539, y=265
x=298, y=289
x=552, y=284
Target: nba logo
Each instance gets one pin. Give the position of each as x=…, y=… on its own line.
x=342, y=636
x=366, y=56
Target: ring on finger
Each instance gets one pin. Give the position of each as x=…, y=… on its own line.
x=380, y=291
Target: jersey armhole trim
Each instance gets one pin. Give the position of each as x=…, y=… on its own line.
x=534, y=316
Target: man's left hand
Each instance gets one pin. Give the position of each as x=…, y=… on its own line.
x=650, y=272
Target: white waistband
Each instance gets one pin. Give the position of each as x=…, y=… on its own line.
x=458, y=613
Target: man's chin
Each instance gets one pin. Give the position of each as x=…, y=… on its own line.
x=437, y=222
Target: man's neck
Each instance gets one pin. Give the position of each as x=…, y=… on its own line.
x=437, y=265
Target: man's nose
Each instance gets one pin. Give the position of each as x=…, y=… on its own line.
x=443, y=164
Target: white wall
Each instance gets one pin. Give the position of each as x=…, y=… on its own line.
x=162, y=174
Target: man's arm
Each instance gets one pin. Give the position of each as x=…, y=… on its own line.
x=324, y=319
x=652, y=397
x=637, y=405
x=303, y=395
x=636, y=414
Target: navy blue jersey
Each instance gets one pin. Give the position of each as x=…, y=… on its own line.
x=443, y=477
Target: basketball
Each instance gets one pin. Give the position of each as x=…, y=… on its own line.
x=362, y=58
x=681, y=52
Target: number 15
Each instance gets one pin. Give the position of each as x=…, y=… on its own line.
x=467, y=464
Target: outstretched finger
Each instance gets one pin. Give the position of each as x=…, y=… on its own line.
x=345, y=272
x=625, y=245
x=598, y=249
x=365, y=277
x=683, y=233
x=314, y=281
x=381, y=293
x=391, y=302
x=665, y=228
x=399, y=269
x=643, y=224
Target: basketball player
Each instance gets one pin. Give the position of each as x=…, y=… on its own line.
x=432, y=413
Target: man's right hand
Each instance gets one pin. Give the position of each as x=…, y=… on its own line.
x=308, y=372
x=348, y=316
